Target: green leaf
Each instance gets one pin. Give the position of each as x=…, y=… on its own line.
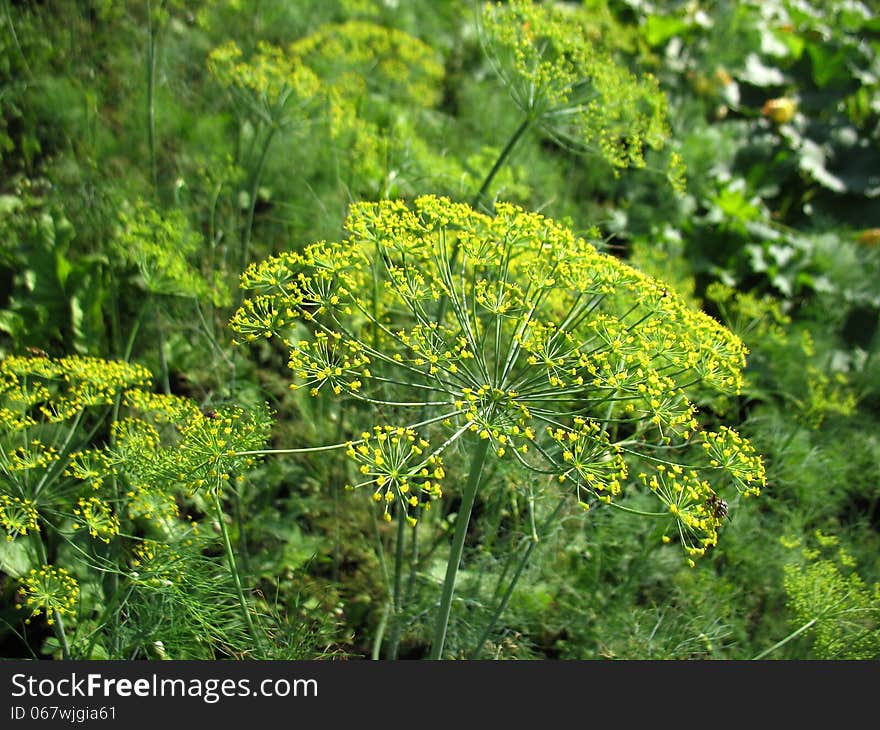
x=14, y=559
x=660, y=28
x=828, y=65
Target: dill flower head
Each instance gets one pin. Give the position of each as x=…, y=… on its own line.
x=18, y=516
x=157, y=564
x=378, y=83
x=507, y=329
x=393, y=462
x=272, y=83
x=39, y=388
x=826, y=594
x=91, y=466
x=202, y=451
x=160, y=244
x=49, y=589
x=576, y=92
x=358, y=56
x=98, y=517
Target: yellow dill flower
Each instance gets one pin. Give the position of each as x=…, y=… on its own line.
x=98, y=517
x=91, y=466
x=587, y=458
x=203, y=452
x=357, y=56
x=570, y=87
x=163, y=408
x=394, y=463
x=35, y=455
x=157, y=565
x=273, y=83
x=48, y=590
x=18, y=516
x=161, y=245
x=732, y=453
x=152, y=502
x=58, y=389
x=508, y=329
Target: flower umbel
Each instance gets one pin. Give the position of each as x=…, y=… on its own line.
x=576, y=92
x=18, y=516
x=393, y=462
x=49, y=590
x=505, y=329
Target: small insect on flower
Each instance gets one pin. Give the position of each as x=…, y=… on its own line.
x=717, y=505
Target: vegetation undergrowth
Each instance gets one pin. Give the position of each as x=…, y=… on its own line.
x=557, y=285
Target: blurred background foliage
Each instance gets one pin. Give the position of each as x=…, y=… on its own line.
x=136, y=179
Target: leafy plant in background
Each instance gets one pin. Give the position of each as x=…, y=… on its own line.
x=788, y=90
x=52, y=295
x=132, y=183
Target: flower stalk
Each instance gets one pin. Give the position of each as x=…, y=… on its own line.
x=462, y=520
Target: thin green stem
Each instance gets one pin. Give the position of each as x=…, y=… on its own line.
x=163, y=356
x=806, y=627
x=252, y=203
x=534, y=539
x=383, y=623
x=380, y=632
x=462, y=521
x=500, y=160
x=62, y=637
x=397, y=600
x=413, y=563
x=233, y=569
x=15, y=42
x=151, y=104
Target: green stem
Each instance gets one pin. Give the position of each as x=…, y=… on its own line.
x=502, y=158
x=163, y=356
x=230, y=557
x=389, y=602
x=240, y=523
x=151, y=106
x=380, y=632
x=252, y=203
x=534, y=539
x=461, y=525
x=397, y=599
x=788, y=638
x=62, y=637
x=413, y=563
x=14, y=36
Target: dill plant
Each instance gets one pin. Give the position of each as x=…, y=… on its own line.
x=155, y=252
x=829, y=601
x=509, y=338
x=273, y=91
x=571, y=89
x=381, y=85
x=101, y=482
